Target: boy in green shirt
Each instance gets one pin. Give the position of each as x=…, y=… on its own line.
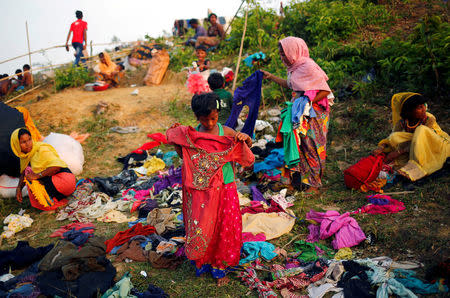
x=216, y=82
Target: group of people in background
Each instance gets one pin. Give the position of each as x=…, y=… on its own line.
x=21, y=80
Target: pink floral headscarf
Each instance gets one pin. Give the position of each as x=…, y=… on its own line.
x=305, y=74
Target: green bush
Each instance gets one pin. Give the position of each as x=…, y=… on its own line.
x=72, y=77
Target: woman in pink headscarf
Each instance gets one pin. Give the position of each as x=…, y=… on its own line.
x=306, y=78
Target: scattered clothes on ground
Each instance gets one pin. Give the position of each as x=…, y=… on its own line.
x=116, y=216
x=21, y=256
x=151, y=166
x=381, y=204
x=333, y=274
x=133, y=160
x=270, y=164
x=121, y=289
x=249, y=237
x=257, y=249
x=77, y=237
x=250, y=277
x=355, y=281
x=272, y=225
x=77, y=226
x=14, y=224
x=168, y=157
x=345, y=228
x=312, y=251
x=147, y=206
x=151, y=292
x=409, y=280
x=344, y=253
x=123, y=236
x=161, y=219
x=113, y=185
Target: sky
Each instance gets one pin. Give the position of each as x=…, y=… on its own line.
x=49, y=22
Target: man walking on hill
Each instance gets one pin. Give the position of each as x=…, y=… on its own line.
x=79, y=28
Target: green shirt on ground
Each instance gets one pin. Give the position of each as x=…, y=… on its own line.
x=226, y=101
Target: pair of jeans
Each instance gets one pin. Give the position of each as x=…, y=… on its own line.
x=78, y=46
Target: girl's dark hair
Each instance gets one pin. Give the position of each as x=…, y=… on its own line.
x=23, y=131
x=210, y=15
x=203, y=104
x=410, y=104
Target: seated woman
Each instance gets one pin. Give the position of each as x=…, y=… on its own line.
x=108, y=71
x=417, y=147
x=47, y=177
x=215, y=33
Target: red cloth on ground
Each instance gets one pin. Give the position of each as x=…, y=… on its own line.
x=257, y=207
x=124, y=236
x=158, y=139
x=249, y=237
x=78, y=28
x=210, y=208
x=394, y=206
x=76, y=225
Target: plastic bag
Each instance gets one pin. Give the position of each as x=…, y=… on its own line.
x=8, y=186
x=69, y=150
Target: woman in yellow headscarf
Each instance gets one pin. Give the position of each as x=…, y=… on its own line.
x=417, y=146
x=108, y=71
x=47, y=177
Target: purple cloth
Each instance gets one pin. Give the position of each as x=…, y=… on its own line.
x=345, y=228
x=249, y=94
x=146, y=207
x=378, y=201
x=199, y=31
x=314, y=232
x=257, y=195
x=170, y=180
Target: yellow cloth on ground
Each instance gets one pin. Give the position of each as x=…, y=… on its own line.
x=273, y=225
x=41, y=157
x=15, y=223
x=154, y=165
x=344, y=253
x=35, y=134
x=428, y=145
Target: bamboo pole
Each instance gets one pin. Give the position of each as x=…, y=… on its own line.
x=29, y=53
x=231, y=22
x=15, y=97
x=240, y=51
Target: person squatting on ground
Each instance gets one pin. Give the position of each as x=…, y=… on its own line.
x=211, y=213
x=417, y=146
x=79, y=29
x=305, y=77
x=215, y=33
x=47, y=177
x=108, y=71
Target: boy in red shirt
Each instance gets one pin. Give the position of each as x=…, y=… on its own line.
x=79, y=28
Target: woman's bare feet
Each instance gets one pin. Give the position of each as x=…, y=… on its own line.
x=223, y=281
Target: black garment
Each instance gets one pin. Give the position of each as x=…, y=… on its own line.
x=132, y=159
x=11, y=283
x=355, y=281
x=11, y=119
x=152, y=292
x=112, y=185
x=21, y=256
x=50, y=187
x=89, y=284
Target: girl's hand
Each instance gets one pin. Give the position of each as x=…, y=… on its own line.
x=267, y=75
x=19, y=195
x=32, y=176
x=243, y=137
x=176, y=124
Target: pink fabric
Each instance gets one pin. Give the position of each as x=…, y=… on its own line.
x=249, y=237
x=305, y=74
x=323, y=102
x=196, y=84
x=314, y=232
x=76, y=225
x=345, y=228
x=394, y=206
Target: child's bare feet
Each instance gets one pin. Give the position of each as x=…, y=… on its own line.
x=223, y=281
